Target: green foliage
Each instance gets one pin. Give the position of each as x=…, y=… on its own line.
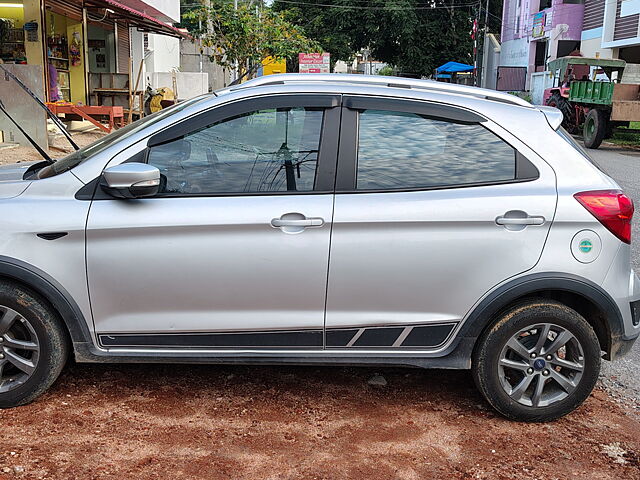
x=622, y=137
x=388, y=71
x=246, y=35
x=322, y=25
x=414, y=35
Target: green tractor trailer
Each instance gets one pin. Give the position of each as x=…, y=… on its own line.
x=589, y=94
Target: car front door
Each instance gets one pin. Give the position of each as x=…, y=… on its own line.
x=233, y=252
x=434, y=206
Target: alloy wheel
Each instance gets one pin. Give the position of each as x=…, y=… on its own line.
x=541, y=365
x=19, y=349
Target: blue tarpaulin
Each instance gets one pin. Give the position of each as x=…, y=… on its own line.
x=454, y=67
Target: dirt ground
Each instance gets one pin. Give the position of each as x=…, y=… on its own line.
x=61, y=148
x=211, y=422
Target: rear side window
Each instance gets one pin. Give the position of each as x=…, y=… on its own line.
x=398, y=150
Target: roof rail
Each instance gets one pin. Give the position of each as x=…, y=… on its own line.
x=379, y=80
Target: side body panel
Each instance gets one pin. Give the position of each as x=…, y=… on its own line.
x=49, y=206
x=206, y=264
x=212, y=270
x=416, y=258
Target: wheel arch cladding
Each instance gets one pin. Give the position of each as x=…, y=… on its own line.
x=578, y=293
x=48, y=288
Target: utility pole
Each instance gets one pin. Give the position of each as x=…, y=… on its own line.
x=485, y=49
x=235, y=62
x=486, y=18
x=200, y=44
x=474, y=36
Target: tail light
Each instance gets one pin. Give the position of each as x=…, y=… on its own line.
x=612, y=208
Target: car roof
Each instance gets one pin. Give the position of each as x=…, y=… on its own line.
x=407, y=84
x=387, y=86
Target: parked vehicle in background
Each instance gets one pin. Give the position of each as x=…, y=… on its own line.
x=325, y=219
x=587, y=100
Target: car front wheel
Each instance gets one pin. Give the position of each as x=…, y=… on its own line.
x=33, y=345
x=538, y=362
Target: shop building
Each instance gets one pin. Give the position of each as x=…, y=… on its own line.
x=73, y=42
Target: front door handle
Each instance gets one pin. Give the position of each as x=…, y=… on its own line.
x=520, y=221
x=307, y=222
x=296, y=222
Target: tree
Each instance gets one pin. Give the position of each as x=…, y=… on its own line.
x=246, y=35
x=387, y=70
x=320, y=24
x=415, y=36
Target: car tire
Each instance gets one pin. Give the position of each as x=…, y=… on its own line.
x=548, y=385
x=34, y=345
x=595, y=128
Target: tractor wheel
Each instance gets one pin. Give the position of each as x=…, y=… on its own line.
x=595, y=128
x=562, y=104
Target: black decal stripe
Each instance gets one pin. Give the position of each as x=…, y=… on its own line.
x=273, y=339
x=420, y=336
x=378, y=337
x=340, y=337
x=428, y=336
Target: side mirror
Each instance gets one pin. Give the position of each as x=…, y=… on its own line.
x=131, y=180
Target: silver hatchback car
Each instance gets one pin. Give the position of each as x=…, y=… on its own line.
x=325, y=219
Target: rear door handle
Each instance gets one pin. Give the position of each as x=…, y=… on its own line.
x=307, y=222
x=520, y=221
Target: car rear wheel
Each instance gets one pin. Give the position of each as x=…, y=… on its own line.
x=595, y=128
x=538, y=362
x=33, y=345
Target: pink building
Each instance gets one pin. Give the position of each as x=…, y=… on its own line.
x=535, y=32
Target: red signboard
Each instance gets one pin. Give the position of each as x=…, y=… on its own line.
x=314, y=62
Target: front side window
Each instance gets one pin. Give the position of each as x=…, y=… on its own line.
x=76, y=158
x=399, y=150
x=274, y=150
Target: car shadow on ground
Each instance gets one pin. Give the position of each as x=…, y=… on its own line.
x=382, y=384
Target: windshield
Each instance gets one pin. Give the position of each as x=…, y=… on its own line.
x=79, y=156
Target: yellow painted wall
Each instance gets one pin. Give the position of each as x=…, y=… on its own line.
x=56, y=24
x=271, y=66
x=14, y=13
x=34, y=50
x=76, y=73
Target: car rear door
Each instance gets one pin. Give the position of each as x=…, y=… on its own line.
x=233, y=252
x=434, y=206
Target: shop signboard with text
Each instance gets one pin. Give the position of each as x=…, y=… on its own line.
x=539, y=20
x=314, y=62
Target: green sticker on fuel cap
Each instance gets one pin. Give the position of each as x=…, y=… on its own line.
x=585, y=246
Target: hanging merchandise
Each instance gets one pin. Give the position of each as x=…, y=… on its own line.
x=75, y=50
